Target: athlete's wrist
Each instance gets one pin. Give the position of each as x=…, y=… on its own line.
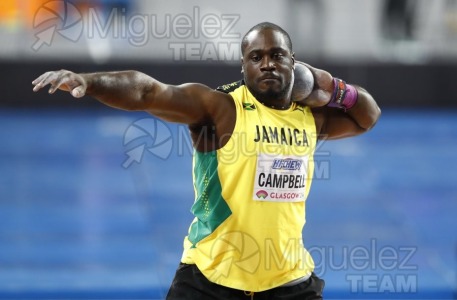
x=344, y=95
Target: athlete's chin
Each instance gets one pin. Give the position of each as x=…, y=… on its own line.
x=267, y=95
x=270, y=88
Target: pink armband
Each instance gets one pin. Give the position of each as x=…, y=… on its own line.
x=344, y=95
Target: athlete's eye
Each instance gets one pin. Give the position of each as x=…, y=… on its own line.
x=255, y=57
x=278, y=55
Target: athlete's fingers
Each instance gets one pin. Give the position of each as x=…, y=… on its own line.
x=322, y=79
x=63, y=79
x=317, y=98
x=41, y=81
x=36, y=88
x=39, y=78
x=320, y=97
x=50, y=79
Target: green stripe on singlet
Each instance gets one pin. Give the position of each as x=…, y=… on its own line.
x=209, y=207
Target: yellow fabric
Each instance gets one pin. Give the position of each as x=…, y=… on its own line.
x=259, y=245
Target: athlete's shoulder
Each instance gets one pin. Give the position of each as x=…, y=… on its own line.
x=230, y=87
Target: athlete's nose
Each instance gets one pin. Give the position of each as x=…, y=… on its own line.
x=267, y=64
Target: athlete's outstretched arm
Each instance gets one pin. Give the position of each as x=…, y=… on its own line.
x=334, y=123
x=132, y=90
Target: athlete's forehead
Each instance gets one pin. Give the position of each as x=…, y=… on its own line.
x=266, y=40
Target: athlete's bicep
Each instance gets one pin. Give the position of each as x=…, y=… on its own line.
x=187, y=103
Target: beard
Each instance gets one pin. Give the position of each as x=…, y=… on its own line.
x=270, y=95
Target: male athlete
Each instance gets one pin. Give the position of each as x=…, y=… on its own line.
x=253, y=164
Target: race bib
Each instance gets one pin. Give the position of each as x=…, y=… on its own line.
x=280, y=178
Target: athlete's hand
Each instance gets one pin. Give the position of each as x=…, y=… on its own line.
x=63, y=80
x=323, y=88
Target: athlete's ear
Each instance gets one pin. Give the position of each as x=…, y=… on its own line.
x=242, y=68
x=293, y=60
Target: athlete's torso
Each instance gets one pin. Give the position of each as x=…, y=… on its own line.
x=250, y=198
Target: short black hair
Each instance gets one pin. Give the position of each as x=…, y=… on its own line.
x=265, y=25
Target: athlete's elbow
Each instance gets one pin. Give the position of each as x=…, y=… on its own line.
x=371, y=119
x=375, y=115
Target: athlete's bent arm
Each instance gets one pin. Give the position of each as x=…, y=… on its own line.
x=357, y=120
x=334, y=123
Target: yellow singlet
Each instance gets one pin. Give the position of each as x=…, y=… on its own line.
x=250, y=198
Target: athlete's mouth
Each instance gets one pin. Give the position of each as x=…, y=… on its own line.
x=269, y=77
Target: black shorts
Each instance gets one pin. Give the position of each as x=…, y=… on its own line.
x=189, y=283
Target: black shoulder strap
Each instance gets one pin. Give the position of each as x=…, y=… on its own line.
x=230, y=87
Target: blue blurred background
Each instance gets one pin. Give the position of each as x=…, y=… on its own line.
x=94, y=202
